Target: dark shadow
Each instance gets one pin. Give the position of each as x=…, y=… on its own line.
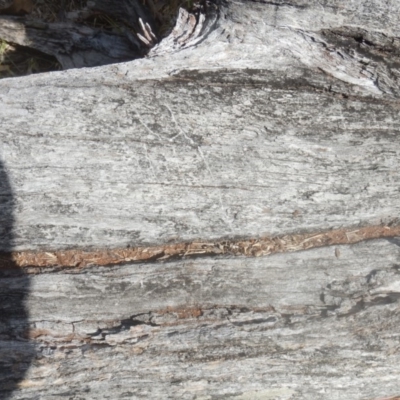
x=394, y=240
x=69, y=34
x=16, y=351
x=75, y=34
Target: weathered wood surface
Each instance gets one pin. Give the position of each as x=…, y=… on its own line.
x=186, y=160
x=290, y=326
x=210, y=154
x=265, y=118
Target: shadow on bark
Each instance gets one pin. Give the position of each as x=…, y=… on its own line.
x=16, y=352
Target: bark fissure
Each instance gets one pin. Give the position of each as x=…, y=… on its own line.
x=341, y=299
x=33, y=261
x=279, y=4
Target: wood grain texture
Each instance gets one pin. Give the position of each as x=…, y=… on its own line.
x=268, y=118
x=99, y=158
x=290, y=326
x=208, y=156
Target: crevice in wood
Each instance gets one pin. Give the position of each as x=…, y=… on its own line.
x=279, y=4
x=105, y=32
x=341, y=299
x=33, y=261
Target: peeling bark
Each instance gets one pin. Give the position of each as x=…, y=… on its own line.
x=135, y=190
x=32, y=260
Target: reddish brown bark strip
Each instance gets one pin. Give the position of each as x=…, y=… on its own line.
x=250, y=247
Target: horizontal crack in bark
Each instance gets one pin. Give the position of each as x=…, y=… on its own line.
x=32, y=260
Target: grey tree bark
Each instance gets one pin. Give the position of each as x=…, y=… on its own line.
x=140, y=195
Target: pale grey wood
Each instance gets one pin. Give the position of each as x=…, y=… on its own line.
x=151, y=151
x=267, y=118
x=305, y=325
